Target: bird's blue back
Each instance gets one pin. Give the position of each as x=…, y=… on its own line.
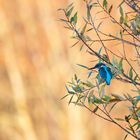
x=105, y=73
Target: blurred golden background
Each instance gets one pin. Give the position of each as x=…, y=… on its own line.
x=35, y=63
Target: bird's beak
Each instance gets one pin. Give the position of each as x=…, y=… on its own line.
x=92, y=68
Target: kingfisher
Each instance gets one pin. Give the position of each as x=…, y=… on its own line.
x=104, y=72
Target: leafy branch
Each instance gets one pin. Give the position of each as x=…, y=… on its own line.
x=91, y=94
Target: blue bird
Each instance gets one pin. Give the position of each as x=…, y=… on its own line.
x=104, y=72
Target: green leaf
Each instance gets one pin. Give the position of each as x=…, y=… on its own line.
x=134, y=28
x=67, y=88
x=131, y=73
x=110, y=9
x=117, y=97
x=83, y=66
x=127, y=118
x=75, y=44
x=135, y=78
x=122, y=15
x=99, y=52
x=88, y=38
x=114, y=61
x=79, y=104
x=68, y=13
x=126, y=20
x=121, y=64
x=95, y=4
x=65, y=96
x=88, y=12
x=89, y=29
x=121, y=19
x=121, y=11
x=106, y=98
x=121, y=34
x=105, y=4
x=74, y=19
x=96, y=100
x=81, y=47
x=99, y=25
x=89, y=7
x=77, y=88
x=89, y=84
x=63, y=20
x=70, y=92
x=66, y=27
x=125, y=137
x=78, y=99
x=75, y=77
x=84, y=29
x=95, y=109
x=119, y=119
x=69, y=6
x=71, y=99
x=138, y=127
x=112, y=107
x=89, y=74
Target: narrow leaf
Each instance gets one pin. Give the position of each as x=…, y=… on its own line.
x=131, y=73
x=119, y=119
x=81, y=47
x=105, y=4
x=75, y=44
x=99, y=25
x=136, y=77
x=112, y=107
x=74, y=19
x=89, y=29
x=95, y=109
x=83, y=66
x=121, y=65
x=64, y=96
x=88, y=12
x=68, y=13
x=99, y=52
x=110, y=9
x=75, y=77
x=71, y=99
x=84, y=29
x=121, y=11
x=69, y=6
x=125, y=137
x=90, y=73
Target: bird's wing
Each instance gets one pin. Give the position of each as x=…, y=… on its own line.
x=106, y=74
x=109, y=75
x=109, y=71
x=102, y=73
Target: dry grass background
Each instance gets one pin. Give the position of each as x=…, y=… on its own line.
x=35, y=63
